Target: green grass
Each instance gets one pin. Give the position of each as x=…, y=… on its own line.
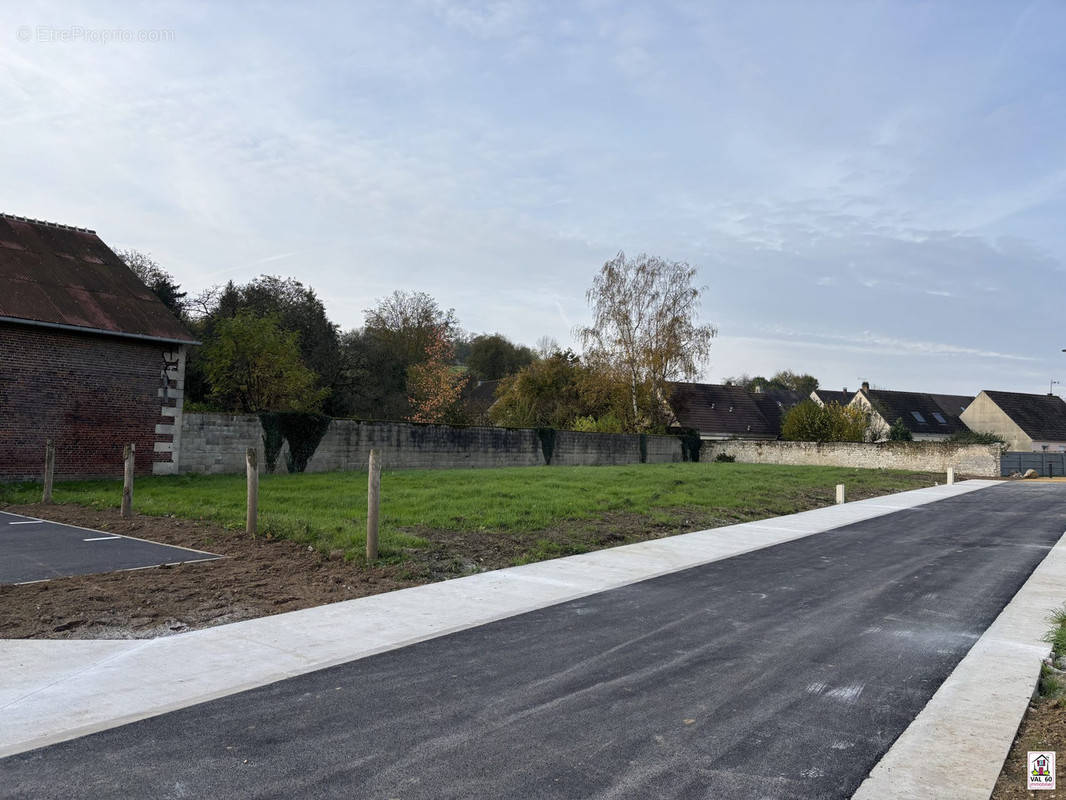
x=1052, y=682
x=328, y=510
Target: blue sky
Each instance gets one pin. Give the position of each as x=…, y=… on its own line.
x=869, y=190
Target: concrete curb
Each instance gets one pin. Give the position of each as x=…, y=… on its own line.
x=972, y=719
x=55, y=690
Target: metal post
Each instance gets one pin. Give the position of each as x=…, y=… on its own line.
x=840, y=493
x=127, y=480
x=373, y=503
x=251, y=459
x=49, y=470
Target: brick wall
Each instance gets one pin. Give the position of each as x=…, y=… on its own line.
x=971, y=459
x=217, y=443
x=91, y=394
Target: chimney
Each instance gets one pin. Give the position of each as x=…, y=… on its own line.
x=845, y=390
x=866, y=386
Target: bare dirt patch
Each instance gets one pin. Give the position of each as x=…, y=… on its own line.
x=262, y=576
x=1042, y=728
x=258, y=577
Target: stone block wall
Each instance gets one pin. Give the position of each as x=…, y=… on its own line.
x=216, y=443
x=971, y=459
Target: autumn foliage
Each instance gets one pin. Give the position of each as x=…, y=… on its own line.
x=435, y=386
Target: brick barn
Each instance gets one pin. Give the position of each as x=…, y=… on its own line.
x=89, y=357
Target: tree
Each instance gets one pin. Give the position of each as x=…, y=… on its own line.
x=792, y=381
x=409, y=323
x=253, y=365
x=810, y=422
x=435, y=387
x=899, y=432
x=157, y=279
x=493, y=356
x=546, y=345
x=296, y=308
x=546, y=393
x=399, y=332
x=785, y=379
x=645, y=325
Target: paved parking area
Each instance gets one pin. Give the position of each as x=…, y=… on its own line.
x=33, y=549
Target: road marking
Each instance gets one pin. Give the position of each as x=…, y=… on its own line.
x=102, y=539
x=27, y=522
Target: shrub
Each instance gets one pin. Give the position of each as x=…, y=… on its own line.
x=899, y=432
x=974, y=437
x=608, y=423
x=725, y=458
x=811, y=422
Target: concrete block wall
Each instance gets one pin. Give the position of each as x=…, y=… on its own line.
x=216, y=443
x=347, y=445
x=972, y=459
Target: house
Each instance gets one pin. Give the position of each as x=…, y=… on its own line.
x=824, y=397
x=775, y=403
x=478, y=399
x=89, y=357
x=1027, y=422
x=727, y=412
x=928, y=417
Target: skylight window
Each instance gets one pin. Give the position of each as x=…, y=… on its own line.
x=917, y=415
x=940, y=418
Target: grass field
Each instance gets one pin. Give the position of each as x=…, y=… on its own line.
x=419, y=507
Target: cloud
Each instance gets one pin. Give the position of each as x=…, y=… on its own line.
x=877, y=190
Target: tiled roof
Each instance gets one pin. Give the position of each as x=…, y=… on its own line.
x=723, y=410
x=774, y=403
x=60, y=275
x=920, y=412
x=953, y=403
x=828, y=396
x=1041, y=416
x=482, y=392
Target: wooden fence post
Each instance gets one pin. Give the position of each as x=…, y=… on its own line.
x=127, y=480
x=252, y=465
x=840, y=493
x=373, y=501
x=49, y=470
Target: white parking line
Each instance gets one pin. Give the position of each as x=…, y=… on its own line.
x=102, y=539
x=27, y=522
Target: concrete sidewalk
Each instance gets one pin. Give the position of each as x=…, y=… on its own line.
x=57, y=690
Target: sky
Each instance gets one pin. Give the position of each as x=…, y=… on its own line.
x=868, y=190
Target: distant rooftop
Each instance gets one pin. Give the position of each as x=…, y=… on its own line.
x=1041, y=416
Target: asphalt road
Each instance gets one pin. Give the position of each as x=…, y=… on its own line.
x=782, y=673
x=35, y=550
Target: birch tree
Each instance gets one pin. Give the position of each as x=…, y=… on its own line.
x=646, y=326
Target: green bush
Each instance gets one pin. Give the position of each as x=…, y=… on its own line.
x=608, y=423
x=725, y=458
x=899, y=432
x=974, y=437
x=811, y=422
